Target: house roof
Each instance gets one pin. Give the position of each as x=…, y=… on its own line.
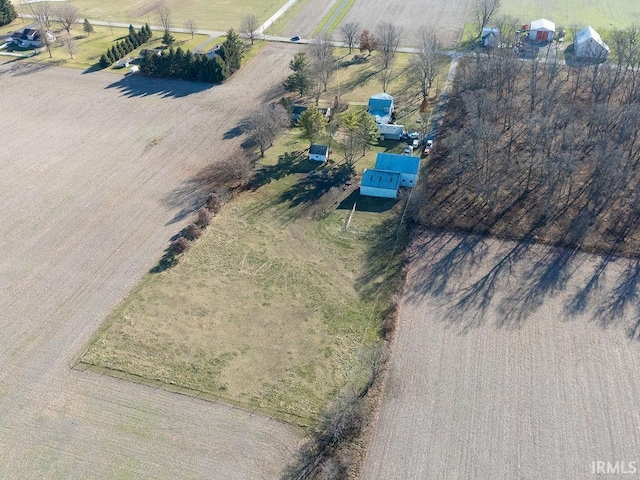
x=380, y=101
x=373, y=177
x=543, y=24
x=588, y=33
x=318, y=150
x=298, y=109
x=398, y=163
x=486, y=31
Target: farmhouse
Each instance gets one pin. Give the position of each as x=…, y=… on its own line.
x=407, y=166
x=30, y=38
x=542, y=30
x=319, y=153
x=490, y=36
x=380, y=183
x=588, y=44
x=381, y=107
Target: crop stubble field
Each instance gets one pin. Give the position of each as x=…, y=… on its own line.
x=92, y=177
x=511, y=361
x=445, y=18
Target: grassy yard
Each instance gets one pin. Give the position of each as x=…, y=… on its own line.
x=218, y=15
x=355, y=81
x=275, y=304
x=17, y=24
x=90, y=48
x=600, y=14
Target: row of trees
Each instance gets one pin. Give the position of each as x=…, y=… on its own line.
x=177, y=64
x=121, y=49
x=180, y=65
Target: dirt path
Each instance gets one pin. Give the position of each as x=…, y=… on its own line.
x=92, y=186
x=502, y=368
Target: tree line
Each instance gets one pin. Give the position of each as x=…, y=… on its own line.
x=121, y=49
x=177, y=64
x=541, y=149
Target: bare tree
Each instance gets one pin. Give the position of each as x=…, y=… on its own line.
x=349, y=33
x=388, y=36
x=265, y=124
x=191, y=26
x=164, y=17
x=70, y=45
x=46, y=39
x=323, y=62
x=67, y=16
x=42, y=13
x=484, y=11
x=249, y=27
x=425, y=64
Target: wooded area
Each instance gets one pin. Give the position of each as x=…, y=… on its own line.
x=541, y=151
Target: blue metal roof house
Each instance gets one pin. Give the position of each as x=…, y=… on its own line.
x=381, y=107
x=380, y=183
x=407, y=166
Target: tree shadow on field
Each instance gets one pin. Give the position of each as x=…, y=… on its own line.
x=288, y=163
x=141, y=86
x=19, y=69
x=319, y=181
x=192, y=194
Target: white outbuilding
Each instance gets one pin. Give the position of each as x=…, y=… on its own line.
x=588, y=44
x=542, y=30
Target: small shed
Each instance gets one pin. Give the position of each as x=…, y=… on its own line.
x=380, y=183
x=381, y=107
x=134, y=69
x=490, y=36
x=407, y=166
x=319, y=153
x=588, y=44
x=542, y=30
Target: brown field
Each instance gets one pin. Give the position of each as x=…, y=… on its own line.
x=92, y=176
x=445, y=18
x=511, y=361
x=307, y=20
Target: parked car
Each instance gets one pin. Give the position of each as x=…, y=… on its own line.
x=428, y=145
x=295, y=38
x=415, y=143
x=408, y=150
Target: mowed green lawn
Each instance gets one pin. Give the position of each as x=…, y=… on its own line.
x=213, y=15
x=274, y=306
x=600, y=14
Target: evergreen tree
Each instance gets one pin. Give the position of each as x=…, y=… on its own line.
x=300, y=80
x=104, y=61
x=132, y=31
x=7, y=12
x=313, y=124
x=167, y=39
x=86, y=26
x=232, y=52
